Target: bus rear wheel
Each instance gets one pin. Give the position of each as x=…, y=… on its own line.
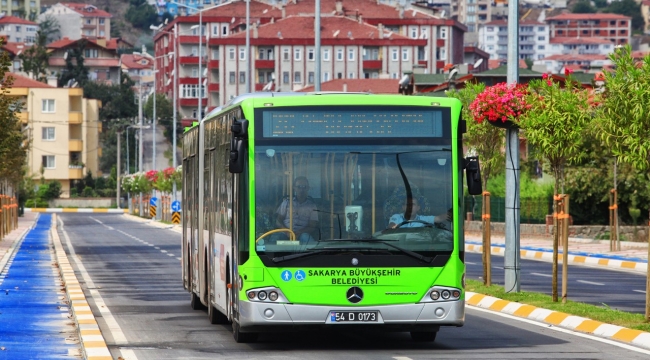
x=424, y=336
x=215, y=316
x=242, y=337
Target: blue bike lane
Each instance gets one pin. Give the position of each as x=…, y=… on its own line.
x=35, y=320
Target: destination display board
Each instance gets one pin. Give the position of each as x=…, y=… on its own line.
x=353, y=123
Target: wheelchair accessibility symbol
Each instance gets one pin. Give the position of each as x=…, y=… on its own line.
x=299, y=275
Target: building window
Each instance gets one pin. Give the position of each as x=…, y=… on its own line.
x=297, y=78
x=48, y=162
x=413, y=31
x=393, y=54
x=231, y=77
x=101, y=21
x=17, y=28
x=351, y=75
x=48, y=106
x=560, y=32
x=540, y=28
x=339, y=75
x=310, y=54
x=310, y=77
x=48, y=134
x=89, y=21
x=195, y=72
x=231, y=54
x=351, y=54
x=326, y=76
x=541, y=38
x=285, y=77
x=242, y=77
x=215, y=30
x=224, y=30
x=540, y=47
x=297, y=54
x=90, y=53
x=285, y=54
x=405, y=54
x=326, y=54
x=242, y=54
x=215, y=54
x=443, y=33
x=339, y=54
x=490, y=38
x=443, y=54
x=490, y=29
x=424, y=33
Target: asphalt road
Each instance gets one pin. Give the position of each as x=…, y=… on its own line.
x=130, y=272
x=621, y=290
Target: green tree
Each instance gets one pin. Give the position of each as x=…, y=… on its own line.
x=140, y=14
x=583, y=7
x=164, y=113
x=556, y=125
x=35, y=60
x=628, y=8
x=75, y=69
x=483, y=139
x=13, y=140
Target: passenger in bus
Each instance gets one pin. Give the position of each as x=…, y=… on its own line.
x=305, y=216
x=420, y=220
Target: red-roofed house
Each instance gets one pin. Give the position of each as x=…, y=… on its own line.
x=80, y=20
x=359, y=39
x=100, y=56
x=18, y=30
x=375, y=86
x=138, y=67
x=614, y=27
x=14, y=49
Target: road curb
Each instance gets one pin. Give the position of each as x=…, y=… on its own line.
x=76, y=210
x=93, y=344
x=634, y=337
x=615, y=262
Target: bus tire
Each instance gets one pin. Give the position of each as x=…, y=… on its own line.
x=195, y=302
x=424, y=336
x=242, y=337
x=215, y=316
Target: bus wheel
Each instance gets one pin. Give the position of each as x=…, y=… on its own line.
x=424, y=336
x=195, y=302
x=242, y=337
x=215, y=316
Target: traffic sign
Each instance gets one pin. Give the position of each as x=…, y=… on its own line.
x=176, y=206
x=153, y=201
x=176, y=218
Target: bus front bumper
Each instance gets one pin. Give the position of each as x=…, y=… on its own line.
x=254, y=316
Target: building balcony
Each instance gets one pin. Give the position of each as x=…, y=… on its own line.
x=75, y=173
x=75, y=145
x=75, y=117
x=372, y=64
x=89, y=26
x=423, y=63
x=440, y=64
x=527, y=42
x=259, y=87
x=440, y=42
x=265, y=64
x=193, y=102
x=213, y=64
x=191, y=60
x=23, y=117
x=192, y=39
x=213, y=87
x=502, y=42
x=75, y=92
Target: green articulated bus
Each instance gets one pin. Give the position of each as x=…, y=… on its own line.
x=327, y=210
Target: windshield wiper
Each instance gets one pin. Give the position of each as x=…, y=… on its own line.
x=296, y=256
x=386, y=242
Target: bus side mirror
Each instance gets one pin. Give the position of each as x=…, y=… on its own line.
x=473, y=174
x=239, y=129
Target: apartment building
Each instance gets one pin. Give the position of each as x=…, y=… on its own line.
x=359, y=39
x=78, y=21
x=64, y=127
x=475, y=13
x=21, y=8
x=18, y=30
x=555, y=64
x=533, y=42
x=613, y=27
x=580, y=46
x=100, y=56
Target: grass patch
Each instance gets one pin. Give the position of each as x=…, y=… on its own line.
x=602, y=313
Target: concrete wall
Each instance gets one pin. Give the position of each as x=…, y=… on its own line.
x=627, y=233
x=83, y=203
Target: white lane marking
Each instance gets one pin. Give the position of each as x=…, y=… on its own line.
x=113, y=327
x=170, y=255
x=401, y=358
x=163, y=251
x=497, y=267
x=106, y=226
x=470, y=263
x=179, y=259
x=640, y=291
x=156, y=247
x=544, y=275
x=590, y=282
x=555, y=328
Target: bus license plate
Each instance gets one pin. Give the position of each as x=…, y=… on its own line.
x=354, y=316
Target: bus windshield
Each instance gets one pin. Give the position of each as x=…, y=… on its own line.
x=384, y=199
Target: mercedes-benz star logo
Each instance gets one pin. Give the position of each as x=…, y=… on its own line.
x=354, y=294
x=355, y=261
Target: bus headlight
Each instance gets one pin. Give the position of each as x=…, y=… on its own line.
x=267, y=294
x=441, y=293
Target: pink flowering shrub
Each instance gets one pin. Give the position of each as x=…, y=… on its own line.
x=500, y=103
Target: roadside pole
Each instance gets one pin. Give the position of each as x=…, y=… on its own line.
x=119, y=163
x=565, y=247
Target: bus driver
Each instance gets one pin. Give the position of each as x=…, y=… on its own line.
x=418, y=220
x=305, y=217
